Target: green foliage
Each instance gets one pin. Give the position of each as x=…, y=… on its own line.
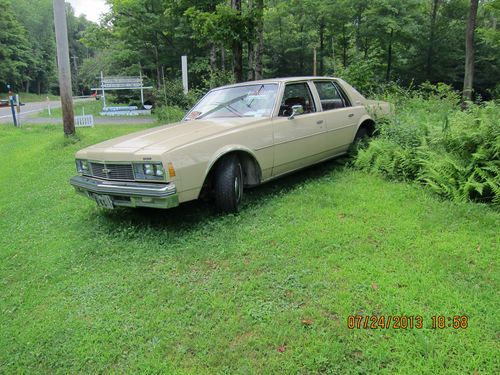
x=14, y=49
x=168, y=114
x=455, y=153
x=172, y=94
x=218, y=78
x=361, y=74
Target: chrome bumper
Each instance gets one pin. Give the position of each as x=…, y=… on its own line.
x=128, y=194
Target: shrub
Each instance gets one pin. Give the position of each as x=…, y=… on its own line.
x=429, y=139
x=361, y=74
x=169, y=114
x=172, y=94
x=218, y=78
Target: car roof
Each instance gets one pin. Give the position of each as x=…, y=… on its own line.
x=276, y=80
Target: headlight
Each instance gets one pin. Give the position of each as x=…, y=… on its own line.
x=149, y=171
x=82, y=166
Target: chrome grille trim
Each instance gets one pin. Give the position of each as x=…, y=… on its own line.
x=109, y=171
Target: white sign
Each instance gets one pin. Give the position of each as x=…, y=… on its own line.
x=121, y=82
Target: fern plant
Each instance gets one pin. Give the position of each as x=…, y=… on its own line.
x=430, y=140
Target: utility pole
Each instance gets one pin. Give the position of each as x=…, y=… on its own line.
x=64, y=67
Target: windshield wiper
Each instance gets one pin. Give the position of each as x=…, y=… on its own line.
x=224, y=105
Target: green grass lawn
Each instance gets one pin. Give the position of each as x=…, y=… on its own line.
x=29, y=98
x=89, y=107
x=268, y=291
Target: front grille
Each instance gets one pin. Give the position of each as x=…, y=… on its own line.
x=112, y=171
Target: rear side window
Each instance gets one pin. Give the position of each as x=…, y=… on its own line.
x=330, y=96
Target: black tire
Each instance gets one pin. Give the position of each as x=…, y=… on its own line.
x=228, y=184
x=362, y=134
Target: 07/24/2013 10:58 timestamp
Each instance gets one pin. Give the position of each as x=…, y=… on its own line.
x=406, y=322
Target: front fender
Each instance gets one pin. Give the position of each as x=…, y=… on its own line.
x=226, y=150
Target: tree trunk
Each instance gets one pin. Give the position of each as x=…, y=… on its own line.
x=389, y=57
x=430, y=49
x=213, y=57
x=259, y=29
x=27, y=86
x=469, y=52
x=222, y=57
x=158, y=69
x=250, y=46
x=333, y=55
x=344, y=46
x=301, y=54
x=251, y=62
x=321, y=45
x=358, y=18
x=237, y=47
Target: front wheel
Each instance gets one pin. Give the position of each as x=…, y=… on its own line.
x=228, y=185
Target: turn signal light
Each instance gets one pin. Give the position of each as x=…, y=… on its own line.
x=171, y=170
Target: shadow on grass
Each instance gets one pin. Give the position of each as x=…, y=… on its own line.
x=192, y=214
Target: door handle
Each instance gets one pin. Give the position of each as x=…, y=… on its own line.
x=351, y=114
x=319, y=122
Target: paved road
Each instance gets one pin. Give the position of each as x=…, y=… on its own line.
x=29, y=110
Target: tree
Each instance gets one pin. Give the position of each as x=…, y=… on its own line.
x=36, y=16
x=469, y=51
x=15, y=55
x=237, y=45
x=432, y=33
x=259, y=45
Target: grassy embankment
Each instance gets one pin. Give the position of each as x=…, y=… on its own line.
x=268, y=291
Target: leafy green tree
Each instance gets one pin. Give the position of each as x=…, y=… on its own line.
x=15, y=57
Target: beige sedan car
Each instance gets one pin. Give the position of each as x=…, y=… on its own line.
x=235, y=137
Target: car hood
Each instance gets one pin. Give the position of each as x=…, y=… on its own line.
x=166, y=138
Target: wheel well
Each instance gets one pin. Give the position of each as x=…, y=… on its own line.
x=369, y=125
x=251, y=171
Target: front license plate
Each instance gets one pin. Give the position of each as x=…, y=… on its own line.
x=104, y=201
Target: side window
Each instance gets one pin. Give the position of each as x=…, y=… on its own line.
x=329, y=96
x=296, y=93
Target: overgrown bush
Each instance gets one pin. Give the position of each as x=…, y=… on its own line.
x=172, y=94
x=218, y=78
x=168, y=114
x=361, y=74
x=170, y=102
x=429, y=139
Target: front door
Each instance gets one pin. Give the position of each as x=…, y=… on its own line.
x=300, y=141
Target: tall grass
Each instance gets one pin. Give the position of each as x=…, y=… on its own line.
x=430, y=140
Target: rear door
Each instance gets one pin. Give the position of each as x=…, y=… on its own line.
x=300, y=141
x=341, y=118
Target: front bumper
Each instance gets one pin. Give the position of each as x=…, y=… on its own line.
x=127, y=194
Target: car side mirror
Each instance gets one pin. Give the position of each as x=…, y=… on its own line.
x=297, y=109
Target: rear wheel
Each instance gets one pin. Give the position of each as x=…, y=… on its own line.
x=362, y=134
x=228, y=184
x=362, y=137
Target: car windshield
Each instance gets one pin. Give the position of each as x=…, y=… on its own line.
x=240, y=101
